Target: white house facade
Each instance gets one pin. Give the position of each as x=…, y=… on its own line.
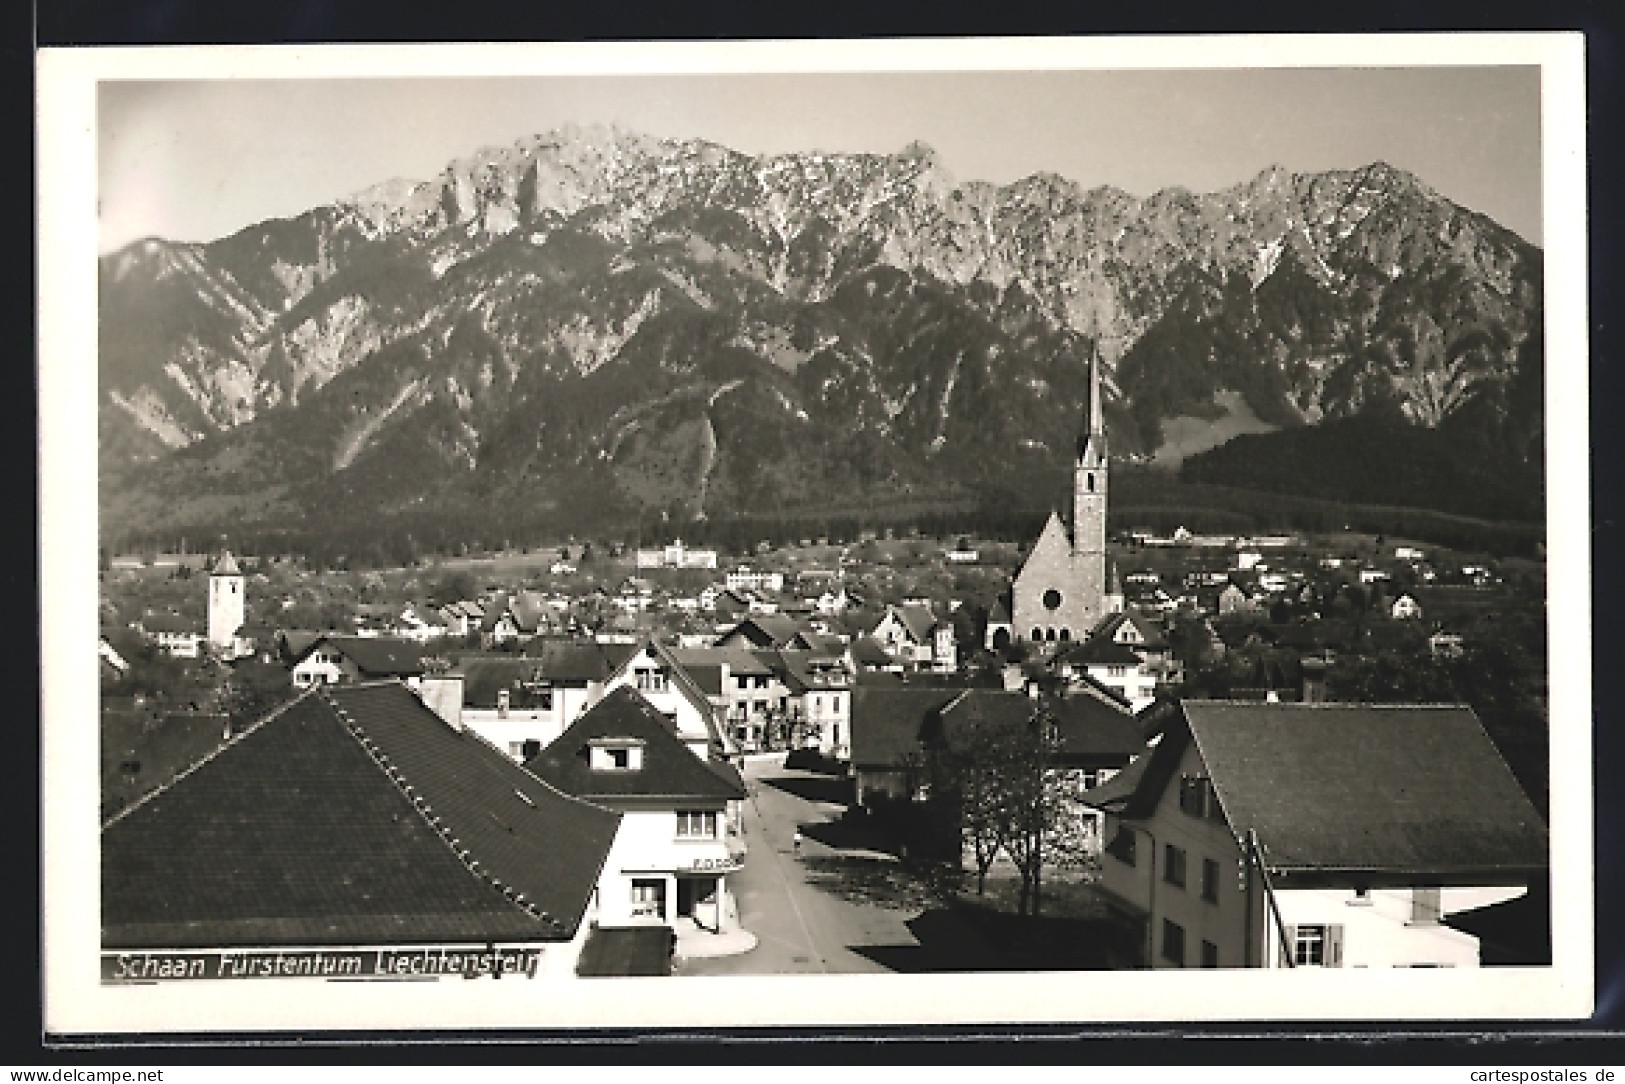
x=1285, y=835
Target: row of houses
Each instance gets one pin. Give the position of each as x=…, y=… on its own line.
x=1273, y=835
x=356, y=833
x=762, y=674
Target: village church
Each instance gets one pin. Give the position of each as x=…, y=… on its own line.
x=1068, y=583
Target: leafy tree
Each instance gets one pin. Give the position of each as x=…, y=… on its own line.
x=1013, y=795
x=973, y=769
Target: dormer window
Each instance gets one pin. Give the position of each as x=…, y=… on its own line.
x=615, y=754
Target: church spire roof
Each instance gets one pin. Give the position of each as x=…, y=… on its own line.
x=1094, y=432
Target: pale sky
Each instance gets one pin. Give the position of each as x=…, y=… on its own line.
x=197, y=160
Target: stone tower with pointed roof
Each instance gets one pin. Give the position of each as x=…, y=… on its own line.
x=1067, y=584
x=226, y=601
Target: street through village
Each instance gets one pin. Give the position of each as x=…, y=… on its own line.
x=831, y=905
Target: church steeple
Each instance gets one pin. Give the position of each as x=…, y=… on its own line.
x=1089, y=478
x=1092, y=441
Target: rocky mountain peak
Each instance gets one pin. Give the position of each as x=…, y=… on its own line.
x=864, y=315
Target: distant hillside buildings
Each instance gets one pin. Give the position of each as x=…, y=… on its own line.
x=676, y=555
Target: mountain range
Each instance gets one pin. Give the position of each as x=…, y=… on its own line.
x=598, y=321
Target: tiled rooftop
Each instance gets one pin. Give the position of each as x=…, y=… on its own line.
x=353, y=815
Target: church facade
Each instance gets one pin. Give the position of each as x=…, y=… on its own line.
x=1068, y=583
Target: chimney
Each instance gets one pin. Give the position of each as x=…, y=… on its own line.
x=443, y=694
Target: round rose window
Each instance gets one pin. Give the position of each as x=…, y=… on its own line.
x=1052, y=599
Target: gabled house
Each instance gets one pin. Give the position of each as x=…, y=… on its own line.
x=1323, y=835
x=1234, y=600
x=499, y=625
x=681, y=833
x=916, y=637
x=462, y=617
x=1091, y=739
x=1134, y=630
x=333, y=658
x=342, y=836
x=820, y=683
x=1406, y=608
x=519, y=703
x=888, y=761
x=293, y=643
x=741, y=687
x=1107, y=662
x=651, y=670
x=771, y=631
x=531, y=613
x=172, y=634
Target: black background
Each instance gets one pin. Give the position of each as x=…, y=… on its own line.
x=153, y=22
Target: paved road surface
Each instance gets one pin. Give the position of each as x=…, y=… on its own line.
x=802, y=925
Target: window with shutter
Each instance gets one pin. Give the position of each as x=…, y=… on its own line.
x=1334, y=946
x=1289, y=938
x=1173, y=865
x=1309, y=945
x=1173, y=942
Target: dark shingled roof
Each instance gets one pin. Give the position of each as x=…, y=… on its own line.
x=1092, y=734
x=295, y=642
x=866, y=651
x=168, y=622
x=1099, y=651
x=707, y=676
x=485, y=676
x=918, y=620
x=979, y=706
x=353, y=815
x=1359, y=787
x=629, y=950
x=770, y=630
x=741, y=660
x=377, y=656
x=573, y=662
x=671, y=774
x=141, y=751
x=1091, y=729
x=1117, y=790
x=886, y=722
